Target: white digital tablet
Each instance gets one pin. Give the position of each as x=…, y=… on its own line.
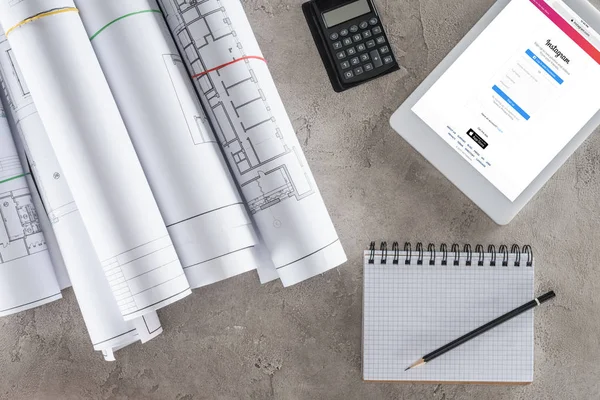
x=511, y=102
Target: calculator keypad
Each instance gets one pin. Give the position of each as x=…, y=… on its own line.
x=361, y=48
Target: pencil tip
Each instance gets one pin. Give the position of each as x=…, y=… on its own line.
x=416, y=364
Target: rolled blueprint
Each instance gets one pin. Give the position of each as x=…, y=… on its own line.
x=191, y=182
x=60, y=270
x=95, y=154
x=255, y=132
x=27, y=277
x=107, y=329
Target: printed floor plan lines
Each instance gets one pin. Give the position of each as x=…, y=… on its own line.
x=24, y=90
x=267, y=168
x=197, y=124
x=272, y=187
x=24, y=112
x=20, y=230
x=127, y=280
x=9, y=167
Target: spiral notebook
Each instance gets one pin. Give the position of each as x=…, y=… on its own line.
x=417, y=300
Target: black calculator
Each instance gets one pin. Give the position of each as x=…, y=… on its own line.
x=351, y=41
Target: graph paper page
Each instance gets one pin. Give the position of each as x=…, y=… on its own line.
x=411, y=310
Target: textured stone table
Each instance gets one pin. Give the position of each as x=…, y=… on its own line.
x=238, y=339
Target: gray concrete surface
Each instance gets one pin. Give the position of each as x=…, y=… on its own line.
x=238, y=339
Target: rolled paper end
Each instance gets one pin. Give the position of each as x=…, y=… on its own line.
x=108, y=355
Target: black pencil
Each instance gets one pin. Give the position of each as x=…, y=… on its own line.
x=482, y=329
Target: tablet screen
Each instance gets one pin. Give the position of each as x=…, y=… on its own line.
x=521, y=91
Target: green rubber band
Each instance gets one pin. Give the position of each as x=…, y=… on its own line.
x=15, y=177
x=120, y=18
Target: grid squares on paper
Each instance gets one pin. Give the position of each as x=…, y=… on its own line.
x=411, y=310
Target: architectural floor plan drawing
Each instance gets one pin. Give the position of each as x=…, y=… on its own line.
x=22, y=85
x=20, y=231
x=248, y=118
x=268, y=168
x=128, y=281
x=8, y=166
x=197, y=123
x=53, y=189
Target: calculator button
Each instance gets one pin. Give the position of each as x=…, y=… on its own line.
x=354, y=61
x=373, y=21
x=368, y=67
x=348, y=74
x=347, y=42
x=384, y=50
x=341, y=55
x=337, y=45
x=357, y=37
x=334, y=36
x=370, y=44
x=376, y=58
x=361, y=47
x=358, y=71
x=377, y=30
x=367, y=34
x=380, y=40
x=364, y=25
x=351, y=51
x=364, y=57
x=345, y=65
x=388, y=59
x=344, y=32
x=354, y=29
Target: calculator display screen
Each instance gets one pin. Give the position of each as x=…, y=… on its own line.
x=346, y=13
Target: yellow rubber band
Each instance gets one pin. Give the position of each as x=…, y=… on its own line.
x=40, y=16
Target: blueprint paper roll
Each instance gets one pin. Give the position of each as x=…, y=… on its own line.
x=27, y=277
x=95, y=153
x=231, y=75
x=203, y=211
